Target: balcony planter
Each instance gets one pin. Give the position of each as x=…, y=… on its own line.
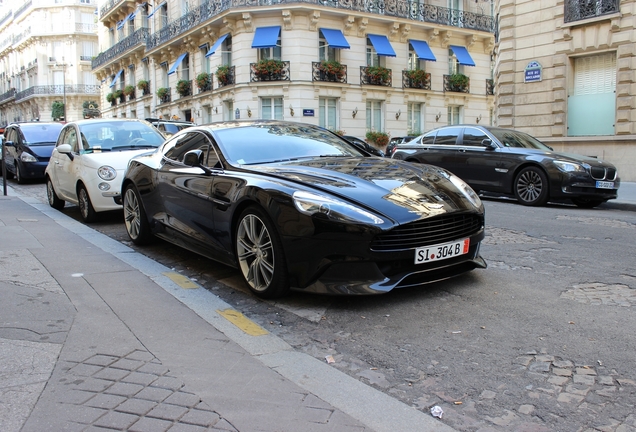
x=162, y=93
x=144, y=86
x=418, y=78
x=378, y=140
x=223, y=75
x=204, y=82
x=378, y=75
x=130, y=92
x=110, y=98
x=119, y=94
x=458, y=82
x=183, y=88
x=332, y=70
x=268, y=68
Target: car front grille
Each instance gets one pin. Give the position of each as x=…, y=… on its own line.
x=436, y=230
x=601, y=173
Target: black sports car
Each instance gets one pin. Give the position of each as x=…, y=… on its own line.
x=295, y=205
x=510, y=162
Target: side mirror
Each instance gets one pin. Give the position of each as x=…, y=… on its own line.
x=66, y=149
x=193, y=159
x=9, y=144
x=489, y=144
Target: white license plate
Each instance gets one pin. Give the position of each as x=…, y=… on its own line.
x=441, y=251
x=604, y=185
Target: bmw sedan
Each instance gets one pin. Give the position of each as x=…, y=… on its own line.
x=87, y=165
x=509, y=162
x=295, y=206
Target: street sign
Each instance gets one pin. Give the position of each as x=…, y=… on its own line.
x=532, y=72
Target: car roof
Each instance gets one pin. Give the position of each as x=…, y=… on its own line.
x=158, y=120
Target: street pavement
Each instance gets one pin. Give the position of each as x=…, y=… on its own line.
x=94, y=336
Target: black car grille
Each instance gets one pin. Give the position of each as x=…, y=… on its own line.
x=601, y=173
x=441, y=229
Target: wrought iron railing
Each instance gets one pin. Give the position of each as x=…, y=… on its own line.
x=146, y=90
x=5, y=17
x=318, y=73
x=279, y=75
x=184, y=88
x=417, y=79
x=85, y=28
x=228, y=80
x=204, y=86
x=490, y=87
x=576, y=10
x=413, y=10
x=58, y=89
x=453, y=87
x=137, y=38
x=110, y=5
x=7, y=95
x=165, y=97
x=369, y=76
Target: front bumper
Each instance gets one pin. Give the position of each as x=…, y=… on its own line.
x=583, y=186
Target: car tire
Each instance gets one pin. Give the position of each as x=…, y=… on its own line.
x=18, y=174
x=135, y=220
x=531, y=187
x=587, y=203
x=86, y=207
x=260, y=255
x=51, y=196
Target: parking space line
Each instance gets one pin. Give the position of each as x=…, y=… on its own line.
x=238, y=319
x=181, y=280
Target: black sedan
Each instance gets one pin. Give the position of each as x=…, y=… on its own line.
x=295, y=206
x=509, y=162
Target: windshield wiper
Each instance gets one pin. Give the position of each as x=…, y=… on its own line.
x=142, y=146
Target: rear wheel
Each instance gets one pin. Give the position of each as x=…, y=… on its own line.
x=587, y=202
x=86, y=207
x=54, y=200
x=260, y=254
x=531, y=187
x=137, y=225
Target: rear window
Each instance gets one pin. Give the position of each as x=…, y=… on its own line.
x=41, y=133
x=447, y=136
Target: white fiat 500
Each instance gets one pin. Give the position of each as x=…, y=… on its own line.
x=89, y=159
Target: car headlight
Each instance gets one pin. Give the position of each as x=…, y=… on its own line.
x=569, y=166
x=466, y=190
x=310, y=204
x=27, y=157
x=106, y=172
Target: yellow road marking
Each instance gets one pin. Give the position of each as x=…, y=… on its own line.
x=181, y=280
x=245, y=324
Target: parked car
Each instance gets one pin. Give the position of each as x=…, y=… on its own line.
x=361, y=144
x=28, y=147
x=292, y=205
x=89, y=159
x=509, y=162
x=395, y=142
x=169, y=127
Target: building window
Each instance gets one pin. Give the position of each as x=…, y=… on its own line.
x=454, y=115
x=131, y=75
x=328, y=113
x=205, y=61
x=274, y=53
x=164, y=73
x=414, y=118
x=272, y=108
x=373, y=59
x=414, y=62
x=374, y=115
x=228, y=110
x=453, y=64
x=226, y=51
x=325, y=52
x=185, y=68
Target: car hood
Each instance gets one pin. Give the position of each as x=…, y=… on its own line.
x=42, y=150
x=116, y=159
x=567, y=157
x=401, y=191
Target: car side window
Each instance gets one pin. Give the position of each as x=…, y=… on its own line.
x=186, y=143
x=447, y=136
x=65, y=137
x=428, y=139
x=474, y=137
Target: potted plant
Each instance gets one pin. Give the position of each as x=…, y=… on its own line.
x=162, y=93
x=204, y=82
x=110, y=98
x=268, y=68
x=223, y=74
x=129, y=91
x=378, y=139
x=418, y=78
x=183, y=88
x=332, y=69
x=458, y=82
x=378, y=75
x=119, y=94
x=144, y=86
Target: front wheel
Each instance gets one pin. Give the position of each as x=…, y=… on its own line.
x=260, y=255
x=86, y=207
x=137, y=225
x=54, y=200
x=531, y=187
x=19, y=177
x=587, y=203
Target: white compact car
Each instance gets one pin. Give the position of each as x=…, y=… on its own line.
x=89, y=159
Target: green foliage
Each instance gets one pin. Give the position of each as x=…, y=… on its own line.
x=332, y=67
x=458, y=81
x=223, y=74
x=418, y=77
x=267, y=67
x=143, y=85
x=378, y=74
x=204, y=81
x=183, y=87
x=129, y=90
x=378, y=139
x=162, y=92
x=57, y=110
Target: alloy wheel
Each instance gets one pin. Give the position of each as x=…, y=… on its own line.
x=255, y=252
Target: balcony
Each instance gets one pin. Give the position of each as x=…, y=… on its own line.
x=227, y=79
x=7, y=95
x=58, y=90
x=577, y=10
x=145, y=87
x=416, y=79
x=328, y=72
x=113, y=6
x=398, y=8
x=457, y=83
x=164, y=95
x=184, y=88
x=134, y=40
x=269, y=70
x=376, y=75
x=204, y=82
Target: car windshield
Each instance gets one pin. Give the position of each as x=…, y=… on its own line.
x=35, y=134
x=510, y=138
x=119, y=136
x=265, y=143
x=173, y=128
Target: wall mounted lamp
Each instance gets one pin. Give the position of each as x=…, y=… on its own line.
x=437, y=117
x=398, y=113
x=216, y=110
x=291, y=110
x=249, y=112
x=478, y=118
x=354, y=113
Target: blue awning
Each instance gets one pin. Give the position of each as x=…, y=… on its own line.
x=382, y=45
x=266, y=37
x=216, y=45
x=422, y=50
x=156, y=9
x=176, y=64
x=120, y=24
x=462, y=55
x=335, y=38
x=112, y=84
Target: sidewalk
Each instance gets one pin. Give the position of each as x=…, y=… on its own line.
x=94, y=336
